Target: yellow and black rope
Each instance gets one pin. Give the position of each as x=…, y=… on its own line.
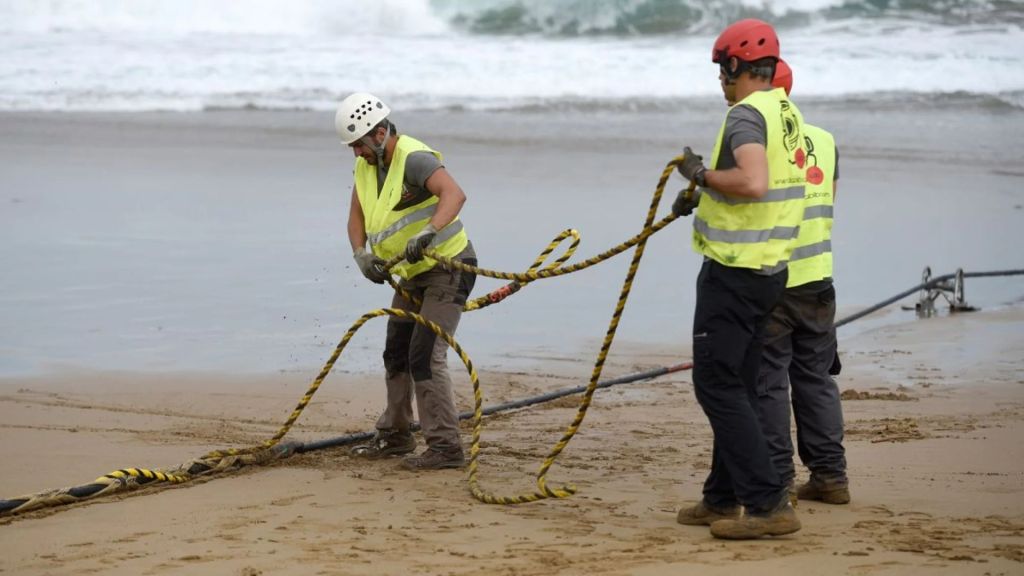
x=535, y=272
x=272, y=448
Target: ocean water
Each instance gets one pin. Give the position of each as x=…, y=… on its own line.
x=488, y=54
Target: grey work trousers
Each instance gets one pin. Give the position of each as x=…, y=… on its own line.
x=799, y=349
x=416, y=359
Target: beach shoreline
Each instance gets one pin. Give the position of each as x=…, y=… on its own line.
x=932, y=440
x=211, y=242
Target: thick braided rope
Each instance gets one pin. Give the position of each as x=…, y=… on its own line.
x=134, y=478
x=222, y=459
x=535, y=272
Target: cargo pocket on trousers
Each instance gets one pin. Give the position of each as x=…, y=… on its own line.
x=761, y=386
x=714, y=357
x=465, y=284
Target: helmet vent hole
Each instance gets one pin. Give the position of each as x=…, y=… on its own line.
x=760, y=42
x=743, y=44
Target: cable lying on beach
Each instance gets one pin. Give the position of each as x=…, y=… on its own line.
x=927, y=285
x=133, y=478
x=272, y=448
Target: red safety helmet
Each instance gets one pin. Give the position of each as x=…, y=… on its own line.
x=747, y=40
x=783, y=76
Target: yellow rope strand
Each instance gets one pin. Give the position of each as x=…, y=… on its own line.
x=222, y=459
x=533, y=273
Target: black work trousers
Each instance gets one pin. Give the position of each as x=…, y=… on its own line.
x=799, y=350
x=733, y=306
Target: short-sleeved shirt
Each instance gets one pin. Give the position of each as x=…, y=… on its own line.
x=419, y=166
x=745, y=125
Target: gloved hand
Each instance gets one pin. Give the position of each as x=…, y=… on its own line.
x=692, y=167
x=371, y=266
x=422, y=239
x=684, y=206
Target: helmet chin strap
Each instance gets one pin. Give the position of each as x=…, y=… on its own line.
x=378, y=149
x=382, y=148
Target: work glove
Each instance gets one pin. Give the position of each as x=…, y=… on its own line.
x=371, y=266
x=414, y=248
x=692, y=167
x=683, y=205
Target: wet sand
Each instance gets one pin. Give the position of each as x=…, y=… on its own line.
x=216, y=241
x=933, y=441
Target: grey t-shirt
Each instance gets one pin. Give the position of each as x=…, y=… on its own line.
x=418, y=167
x=745, y=125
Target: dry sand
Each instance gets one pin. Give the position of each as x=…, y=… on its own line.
x=933, y=440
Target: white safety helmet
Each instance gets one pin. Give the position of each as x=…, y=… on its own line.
x=357, y=115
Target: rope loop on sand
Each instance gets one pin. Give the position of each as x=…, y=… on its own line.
x=533, y=273
x=272, y=448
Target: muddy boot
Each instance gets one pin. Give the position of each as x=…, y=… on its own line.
x=702, y=514
x=791, y=491
x=386, y=443
x=435, y=459
x=829, y=491
x=777, y=522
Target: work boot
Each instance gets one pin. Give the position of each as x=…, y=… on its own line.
x=791, y=491
x=829, y=491
x=703, y=514
x=435, y=459
x=777, y=522
x=386, y=443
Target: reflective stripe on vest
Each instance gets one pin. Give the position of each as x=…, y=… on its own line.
x=812, y=255
x=809, y=251
x=745, y=236
x=780, y=195
x=758, y=233
x=389, y=230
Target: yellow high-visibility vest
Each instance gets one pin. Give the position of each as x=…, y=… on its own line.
x=389, y=230
x=811, y=259
x=758, y=233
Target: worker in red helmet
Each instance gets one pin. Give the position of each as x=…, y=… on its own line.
x=799, y=355
x=783, y=77
x=747, y=218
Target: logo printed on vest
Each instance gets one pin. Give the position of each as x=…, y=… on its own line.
x=791, y=134
x=815, y=175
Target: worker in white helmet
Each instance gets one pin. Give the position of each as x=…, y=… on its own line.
x=404, y=202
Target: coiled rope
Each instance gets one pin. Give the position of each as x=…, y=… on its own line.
x=272, y=448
